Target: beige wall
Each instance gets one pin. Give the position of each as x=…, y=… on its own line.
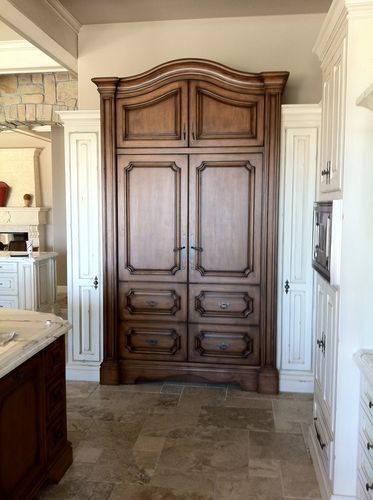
x=251, y=44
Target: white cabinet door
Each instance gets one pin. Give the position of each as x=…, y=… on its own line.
x=83, y=214
x=326, y=327
x=297, y=196
x=333, y=109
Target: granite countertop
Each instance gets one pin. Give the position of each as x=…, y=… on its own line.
x=34, y=331
x=364, y=360
x=10, y=256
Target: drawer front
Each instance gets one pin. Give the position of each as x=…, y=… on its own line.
x=55, y=399
x=224, y=304
x=362, y=492
x=10, y=302
x=366, y=432
x=8, y=267
x=365, y=469
x=152, y=301
x=224, y=344
x=153, y=341
x=324, y=439
x=56, y=437
x=55, y=360
x=8, y=284
x=367, y=397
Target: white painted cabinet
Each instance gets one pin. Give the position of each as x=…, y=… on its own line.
x=333, y=116
x=28, y=283
x=84, y=242
x=300, y=125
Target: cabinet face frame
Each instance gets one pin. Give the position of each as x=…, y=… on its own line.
x=269, y=86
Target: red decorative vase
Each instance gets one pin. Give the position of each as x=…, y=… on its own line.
x=4, y=190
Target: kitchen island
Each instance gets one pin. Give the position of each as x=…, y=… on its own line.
x=33, y=434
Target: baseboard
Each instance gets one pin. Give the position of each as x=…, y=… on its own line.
x=296, y=382
x=62, y=289
x=82, y=372
x=342, y=497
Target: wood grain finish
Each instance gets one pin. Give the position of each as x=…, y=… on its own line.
x=221, y=117
x=221, y=128
x=152, y=218
x=224, y=344
x=152, y=301
x=156, y=341
x=225, y=218
x=224, y=304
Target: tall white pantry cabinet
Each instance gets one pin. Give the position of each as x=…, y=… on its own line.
x=342, y=308
x=84, y=242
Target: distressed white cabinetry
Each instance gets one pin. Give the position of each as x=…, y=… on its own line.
x=28, y=283
x=300, y=128
x=343, y=312
x=84, y=242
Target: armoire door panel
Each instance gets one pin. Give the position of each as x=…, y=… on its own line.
x=153, y=341
x=224, y=344
x=225, y=218
x=224, y=304
x=152, y=218
x=221, y=117
x=154, y=119
x=152, y=301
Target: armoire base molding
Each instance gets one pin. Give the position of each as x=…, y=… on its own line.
x=323, y=481
x=248, y=379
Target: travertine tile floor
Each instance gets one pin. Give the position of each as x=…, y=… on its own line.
x=185, y=442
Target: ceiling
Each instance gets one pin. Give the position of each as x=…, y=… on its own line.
x=115, y=11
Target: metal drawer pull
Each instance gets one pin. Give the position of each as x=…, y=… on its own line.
x=151, y=341
x=151, y=303
x=322, y=445
x=223, y=346
x=370, y=404
x=368, y=486
x=224, y=305
x=369, y=446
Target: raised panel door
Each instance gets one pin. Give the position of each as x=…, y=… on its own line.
x=221, y=117
x=154, y=119
x=225, y=218
x=152, y=217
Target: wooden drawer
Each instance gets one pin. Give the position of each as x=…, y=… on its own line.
x=55, y=399
x=8, y=284
x=365, y=469
x=224, y=304
x=324, y=438
x=156, y=341
x=10, y=302
x=152, y=301
x=55, y=360
x=224, y=344
x=8, y=267
x=56, y=437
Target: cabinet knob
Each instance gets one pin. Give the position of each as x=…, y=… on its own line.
x=369, y=446
x=368, y=486
x=151, y=303
x=370, y=404
x=223, y=346
x=95, y=283
x=224, y=305
x=287, y=286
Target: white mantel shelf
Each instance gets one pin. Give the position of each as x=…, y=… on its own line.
x=25, y=216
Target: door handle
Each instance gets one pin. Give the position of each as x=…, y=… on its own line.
x=95, y=283
x=178, y=249
x=197, y=249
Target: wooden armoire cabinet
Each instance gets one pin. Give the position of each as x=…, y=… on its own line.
x=190, y=155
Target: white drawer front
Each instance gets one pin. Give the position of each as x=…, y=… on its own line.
x=10, y=302
x=361, y=490
x=367, y=396
x=8, y=284
x=366, y=432
x=8, y=267
x=365, y=470
x=324, y=438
